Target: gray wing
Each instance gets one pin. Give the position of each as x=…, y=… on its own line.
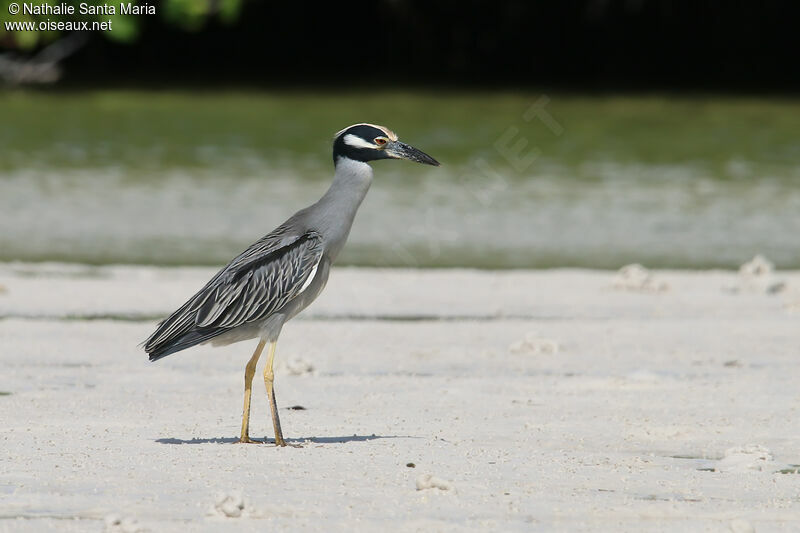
x=258, y=282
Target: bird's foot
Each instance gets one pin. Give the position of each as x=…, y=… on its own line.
x=248, y=440
x=282, y=443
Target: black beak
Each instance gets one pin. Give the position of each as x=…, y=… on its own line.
x=398, y=150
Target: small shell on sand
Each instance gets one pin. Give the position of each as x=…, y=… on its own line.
x=228, y=505
x=635, y=277
x=427, y=481
x=294, y=367
x=533, y=344
x=752, y=457
x=758, y=266
x=758, y=275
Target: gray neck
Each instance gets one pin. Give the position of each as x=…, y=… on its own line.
x=334, y=213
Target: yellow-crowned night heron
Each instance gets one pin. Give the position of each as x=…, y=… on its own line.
x=282, y=273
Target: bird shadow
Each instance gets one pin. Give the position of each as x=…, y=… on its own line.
x=301, y=440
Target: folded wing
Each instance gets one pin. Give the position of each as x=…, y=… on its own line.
x=258, y=282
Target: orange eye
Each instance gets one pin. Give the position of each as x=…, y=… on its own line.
x=380, y=141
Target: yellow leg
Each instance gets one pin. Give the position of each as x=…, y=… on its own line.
x=249, y=372
x=269, y=378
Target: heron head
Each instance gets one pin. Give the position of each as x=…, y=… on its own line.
x=368, y=142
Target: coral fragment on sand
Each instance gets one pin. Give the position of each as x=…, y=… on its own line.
x=427, y=481
x=635, y=277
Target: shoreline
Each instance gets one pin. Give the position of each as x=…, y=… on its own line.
x=560, y=399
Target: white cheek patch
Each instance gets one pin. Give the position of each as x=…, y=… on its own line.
x=357, y=142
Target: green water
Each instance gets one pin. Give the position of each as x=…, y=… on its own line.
x=191, y=178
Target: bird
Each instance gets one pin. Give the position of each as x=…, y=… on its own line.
x=279, y=275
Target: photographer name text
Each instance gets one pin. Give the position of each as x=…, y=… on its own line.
x=85, y=8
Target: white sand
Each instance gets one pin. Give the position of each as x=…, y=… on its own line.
x=549, y=400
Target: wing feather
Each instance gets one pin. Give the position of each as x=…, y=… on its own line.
x=261, y=286
x=255, y=284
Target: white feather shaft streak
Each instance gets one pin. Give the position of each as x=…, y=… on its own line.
x=310, y=277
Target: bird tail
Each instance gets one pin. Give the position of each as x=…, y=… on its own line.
x=178, y=332
x=176, y=344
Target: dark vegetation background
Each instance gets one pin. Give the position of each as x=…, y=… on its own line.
x=179, y=137
x=588, y=45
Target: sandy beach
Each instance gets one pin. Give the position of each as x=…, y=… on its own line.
x=422, y=400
